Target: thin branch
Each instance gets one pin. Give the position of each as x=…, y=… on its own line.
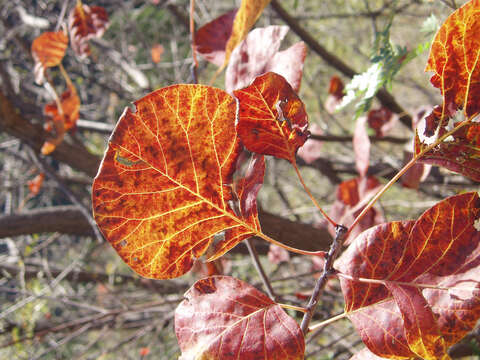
x=258, y=266
x=337, y=244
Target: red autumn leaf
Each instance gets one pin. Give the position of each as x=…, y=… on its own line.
x=454, y=57
x=35, y=184
x=381, y=120
x=164, y=188
x=225, y=318
x=460, y=152
x=247, y=15
x=272, y=119
x=211, y=39
x=335, y=94
x=361, y=146
x=84, y=23
x=258, y=54
x=404, y=318
x=48, y=50
x=351, y=197
x=156, y=53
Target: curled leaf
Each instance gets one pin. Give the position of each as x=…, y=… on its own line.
x=48, y=50
x=84, y=23
x=272, y=119
x=225, y=318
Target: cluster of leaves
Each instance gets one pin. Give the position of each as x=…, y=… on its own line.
x=175, y=183
x=48, y=50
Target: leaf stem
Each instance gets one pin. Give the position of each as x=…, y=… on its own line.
x=192, y=41
x=307, y=190
x=259, y=268
x=402, y=171
x=335, y=247
x=293, y=307
x=289, y=248
x=327, y=322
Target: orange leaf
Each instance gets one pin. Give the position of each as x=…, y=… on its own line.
x=272, y=119
x=225, y=318
x=69, y=114
x=35, y=184
x=404, y=318
x=164, y=188
x=247, y=15
x=211, y=39
x=84, y=23
x=156, y=53
x=454, y=57
x=48, y=50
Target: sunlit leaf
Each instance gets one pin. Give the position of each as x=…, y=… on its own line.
x=405, y=318
x=454, y=59
x=247, y=15
x=225, y=318
x=272, y=119
x=84, y=23
x=48, y=50
x=164, y=188
x=156, y=53
x=258, y=54
x=211, y=39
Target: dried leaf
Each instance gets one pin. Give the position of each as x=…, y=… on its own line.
x=404, y=318
x=84, y=23
x=69, y=113
x=164, y=188
x=272, y=119
x=454, y=57
x=225, y=318
x=211, y=39
x=48, y=50
x=258, y=54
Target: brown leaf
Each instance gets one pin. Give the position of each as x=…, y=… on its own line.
x=48, y=50
x=335, y=94
x=225, y=318
x=84, y=23
x=164, y=188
